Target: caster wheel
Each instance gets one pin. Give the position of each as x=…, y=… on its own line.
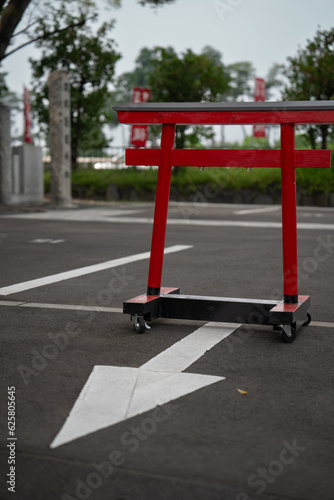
x=140, y=326
x=308, y=321
x=286, y=338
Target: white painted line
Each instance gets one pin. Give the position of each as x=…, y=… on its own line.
x=75, y=273
x=118, y=310
x=65, y=307
x=257, y=210
x=46, y=240
x=323, y=324
x=315, y=225
x=179, y=222
x=225, y=223
x=113, y=394
x=73, y=307
x=252, y=224
x=9, y=303
x=84, y=215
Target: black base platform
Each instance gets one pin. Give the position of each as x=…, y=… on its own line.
x=170, y=304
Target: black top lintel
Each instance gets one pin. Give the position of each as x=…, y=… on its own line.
x=227, y=106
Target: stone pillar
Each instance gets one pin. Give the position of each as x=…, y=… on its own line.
x=5, y=156
x=60, y=138
x=28, y=174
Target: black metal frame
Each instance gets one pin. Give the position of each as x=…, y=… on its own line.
x=221, y=309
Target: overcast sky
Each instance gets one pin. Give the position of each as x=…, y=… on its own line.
x=260, y=31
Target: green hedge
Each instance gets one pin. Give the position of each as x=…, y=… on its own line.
x=188, y=180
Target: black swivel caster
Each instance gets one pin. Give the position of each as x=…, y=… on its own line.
x=139, y=324
x=308, y=321
x=288, y=334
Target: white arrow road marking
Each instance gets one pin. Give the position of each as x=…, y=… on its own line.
x=113, y=393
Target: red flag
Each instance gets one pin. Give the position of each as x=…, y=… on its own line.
x=27, y=117
x=259, y=96
x=139, y=132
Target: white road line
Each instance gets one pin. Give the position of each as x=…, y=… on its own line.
x=75, y=273
x=323, y=324
x=171, y=222
x=223, y=223
x=252, y=224
x=113, y=393
x=70, y=307
x=74, y=307
x=85, y=215
x=220, y=223
x=37, y=305
x=9, y=303
x=46, y=240
x=257, y=210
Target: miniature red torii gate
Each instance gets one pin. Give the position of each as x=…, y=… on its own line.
x=287, y=315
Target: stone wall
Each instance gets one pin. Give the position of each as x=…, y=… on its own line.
x=5, y=156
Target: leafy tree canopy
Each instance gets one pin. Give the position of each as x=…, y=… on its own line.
x=14, y=13
x=155, y=3
x=174, y=78
x=11, y=13
x=311, y=77
x=242, y=80
x=189, y=77
x=139, y=77
x=310, y=72
x=251, y=142
x=3, y=86
x=274, y=79
x=177, y=78
x=89, y=58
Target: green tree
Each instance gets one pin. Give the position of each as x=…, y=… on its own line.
x=311, y=77
x=11, y=13
x=242, y=76
x=187, y=78
x=125, y=83
x=139, y=77
x=172, y=78
x=89, y=58
x=251, y=142
x=274, y=79
x=190, y=77
x=15, y=13
x=155, y=3
x=13, y=101
x=25, y=14
x=3, y=86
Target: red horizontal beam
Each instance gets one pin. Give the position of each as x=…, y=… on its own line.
x=149, y=157
x=226, y=117
x=313, y=158
x=225, y=158
x=247, y=158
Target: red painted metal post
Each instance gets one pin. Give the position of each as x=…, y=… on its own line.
x=161, y=210
x=289, y=216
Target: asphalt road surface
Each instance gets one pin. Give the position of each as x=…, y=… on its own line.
x=229, y=413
